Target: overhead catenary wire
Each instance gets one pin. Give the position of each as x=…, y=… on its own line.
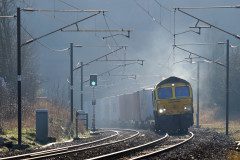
x=44, y=45
x=183, y=32
x=112, y=36
x=55, y=10
x=97, y=30
x=200, y=56
x=206, y=59
x=198, y=44
x=207, y=23
x=158, y=22
x=83, y=30
x=68, y=4
x=99, y=58
x=174, y=39
x=49, y=16
x=212, y=7
x=211, y=25
x=88, y=30
x=56, y=17
x=99, y=46
x=32, y=40
x=105, y=20
x=152, y=17
x=113, y=21
x=163, y=6
x=108, y=72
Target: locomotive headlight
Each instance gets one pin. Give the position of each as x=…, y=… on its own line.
x=188, y=108
x=162, y=110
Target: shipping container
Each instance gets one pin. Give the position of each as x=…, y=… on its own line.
x=146, y=106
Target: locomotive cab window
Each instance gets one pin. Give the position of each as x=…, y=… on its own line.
x=165, y=93
x=182, y=91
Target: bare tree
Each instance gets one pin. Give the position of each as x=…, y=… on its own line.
x=216, y=76
x=8, y=64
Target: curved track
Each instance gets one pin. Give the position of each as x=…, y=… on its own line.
x=61, y=149
x=147, y=150
x=164, y=148
x=59, y=152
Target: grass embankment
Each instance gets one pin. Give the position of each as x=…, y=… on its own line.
x=59, y=126
x=209, y=120
x=11, y=139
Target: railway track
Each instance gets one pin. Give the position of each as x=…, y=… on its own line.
x=61, y=149
x=147, y=150
x=116, y=143
x=58, y=152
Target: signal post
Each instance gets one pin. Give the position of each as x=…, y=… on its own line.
x=93, y=84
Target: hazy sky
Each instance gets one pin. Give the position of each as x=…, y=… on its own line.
x=148, y=41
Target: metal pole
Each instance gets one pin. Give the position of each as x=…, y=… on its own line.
x=71, y=80
x=19, y=91
x=87, y=121
x=76, y=125
x=197, y=114
x=227, y=88
x=93, y=118
x=81, y=85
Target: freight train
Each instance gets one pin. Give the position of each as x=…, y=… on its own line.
x=169, y=105
x=173, y=105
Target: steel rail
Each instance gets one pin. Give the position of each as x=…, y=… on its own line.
x=61, y=153
x=61, y=149
x=118, y=153
x=163, y=149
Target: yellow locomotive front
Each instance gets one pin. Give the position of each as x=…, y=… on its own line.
x=173, y=105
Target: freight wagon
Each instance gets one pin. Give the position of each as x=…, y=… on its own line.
x=126, y=110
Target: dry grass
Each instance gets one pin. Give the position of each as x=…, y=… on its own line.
x=59, y=120
x=209, y=120
x=233, y=155
x=58, y=117
x=28, y=137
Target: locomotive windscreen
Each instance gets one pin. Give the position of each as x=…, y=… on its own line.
x=165, y=93
x=182, y=91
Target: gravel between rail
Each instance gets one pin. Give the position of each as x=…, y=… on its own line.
x=206, y=144
x=144, y=137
